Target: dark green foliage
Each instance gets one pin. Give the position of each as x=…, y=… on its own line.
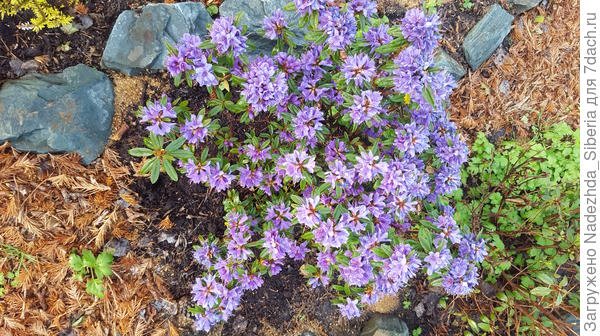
x=96, y=268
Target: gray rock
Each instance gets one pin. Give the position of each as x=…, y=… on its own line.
x=385, y=325
x=253, y=13
x=446, y=62
x=67, y=112
x=521, y=6
x=117, y=246
x=137, y=41
x=483, y=39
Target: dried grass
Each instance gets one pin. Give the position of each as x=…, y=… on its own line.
x=542, y=72
x=53, y=206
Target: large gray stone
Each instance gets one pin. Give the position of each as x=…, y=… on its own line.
x=446, y=62
x=483, y=39
x=67, y=112
x=385, y=325
x=253, y=13
x=521, y=6
x=138, y=40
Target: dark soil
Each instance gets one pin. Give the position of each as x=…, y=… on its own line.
x=86, y=46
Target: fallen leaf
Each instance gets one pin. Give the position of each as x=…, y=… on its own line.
x=165, y=224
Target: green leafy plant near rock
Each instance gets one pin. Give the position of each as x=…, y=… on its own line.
x=45, y=14
x=524, y=198
x=10, y=278
x=93, y=268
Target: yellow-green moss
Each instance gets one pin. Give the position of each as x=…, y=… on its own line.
x=45, y=15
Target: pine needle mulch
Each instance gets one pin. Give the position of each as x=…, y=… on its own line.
x=51, y=206
x=535, y=84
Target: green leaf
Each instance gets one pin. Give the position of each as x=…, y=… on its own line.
x=76, y=263
x=104, y=262
x=545, y=278
x=425, y=238
x=541, y=291
x=88, y=259
x=140, y=152
x=94, y=287
x=170, y=170
x=428, y=95
x=154, y=171
x=212, y=10
x=175, y=144
x=385, y=82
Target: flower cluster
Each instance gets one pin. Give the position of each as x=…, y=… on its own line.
x=344, y=159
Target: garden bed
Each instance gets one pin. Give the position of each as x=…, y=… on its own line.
x=162, y=221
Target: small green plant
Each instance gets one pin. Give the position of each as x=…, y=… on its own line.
x=467, y=4
x=93, y=268
x=45, y=15
x=18, y=261
x=524, y=198
x=406, y=304
x=417, y=332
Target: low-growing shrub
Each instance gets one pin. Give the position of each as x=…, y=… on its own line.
x=525, y=200
x=45, y=14
x=336, y=152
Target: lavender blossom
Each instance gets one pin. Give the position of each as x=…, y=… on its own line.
x=274, y=25
x=349, y=309
x=461, y=278
x=339, y=26
x=378, y=36
x=366, y=107
x=437, y=260
x=366, y=8
x=307, y=123
x=359, y=68
x=227, y=37
x=194, y=130
x=472, y=248
x=158, y=114
x=421, y=30
x=265, y=86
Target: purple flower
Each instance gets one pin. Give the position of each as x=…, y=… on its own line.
x=330, y=234
x=197, y=173
x=461, y=278
x=250, y=178
x=309, y=87
x=227, y=37
x=307, y=123
x=335, y=150
x=357, y=273
x=410, y=72
x=449, y=229
x=264, y=86
x=257, y=155
x=288, y=64
x=378, y=36
x=307, y=213
x=368, y=166
x=251, y=281
x=206, y=253
x=411, y=139
x=400, y=267
x=437, y=260
x=421, y=30
x=280, y=215
x=274, y=25
x=325, y=259
x=194, y=130
x=203, y=73
x=206, y=291
x=296, y=163
x=189, y=46
x=309, y=6
x=353, y=220
x=218, y=179
x=366, y=8
x=366, y=106
x=158, y=114
x=176, y=65
x=339, y=26
x=349, y=309
x=472, y=248
x=359, y=68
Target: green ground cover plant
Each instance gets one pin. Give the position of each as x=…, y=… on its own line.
x=524, y=199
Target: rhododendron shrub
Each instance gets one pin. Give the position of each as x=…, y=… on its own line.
x=336, y=153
